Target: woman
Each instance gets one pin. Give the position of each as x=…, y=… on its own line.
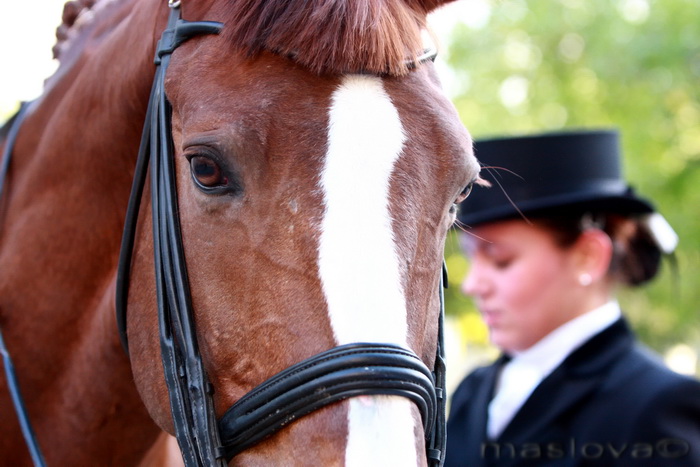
x=549, y=244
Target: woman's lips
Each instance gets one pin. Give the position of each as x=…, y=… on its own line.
x=490, y=317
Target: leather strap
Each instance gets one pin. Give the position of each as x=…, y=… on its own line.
x=337, y=374
x=190, y=392
x=14, y=125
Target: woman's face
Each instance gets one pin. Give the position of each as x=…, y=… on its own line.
x=524, y=285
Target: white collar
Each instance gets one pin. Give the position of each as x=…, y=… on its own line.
x=552, y=349
x=527, y=369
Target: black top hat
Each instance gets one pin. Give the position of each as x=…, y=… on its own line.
x=535, y=174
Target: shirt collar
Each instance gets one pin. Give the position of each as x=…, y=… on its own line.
x=551, y=350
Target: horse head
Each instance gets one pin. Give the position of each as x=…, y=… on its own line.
x=316, y=165
x=315, y=190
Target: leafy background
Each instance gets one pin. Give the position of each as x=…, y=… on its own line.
x=542, y=65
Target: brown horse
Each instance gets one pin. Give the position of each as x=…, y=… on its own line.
x=317, y=164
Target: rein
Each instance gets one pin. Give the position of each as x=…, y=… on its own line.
x=11, y=377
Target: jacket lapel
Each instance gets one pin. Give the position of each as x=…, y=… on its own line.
x=475, y=423
x=575, y=379
x=484, y=395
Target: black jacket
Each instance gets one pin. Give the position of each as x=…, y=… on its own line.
x=610, y=403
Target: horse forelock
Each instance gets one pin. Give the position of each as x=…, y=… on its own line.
x=326, y=36
x=332, y=36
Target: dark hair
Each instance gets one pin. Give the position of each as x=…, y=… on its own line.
x=636, y=256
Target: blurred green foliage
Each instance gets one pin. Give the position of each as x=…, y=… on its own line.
x=542, y=65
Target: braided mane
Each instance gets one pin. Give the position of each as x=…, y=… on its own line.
x=71, y=11
x=332, y=36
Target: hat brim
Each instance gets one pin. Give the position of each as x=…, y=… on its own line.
x=622, y=203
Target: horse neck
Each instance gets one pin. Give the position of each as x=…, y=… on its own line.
x=75, y=156
x=65, y=206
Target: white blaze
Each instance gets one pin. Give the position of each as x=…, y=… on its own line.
x=358, y=260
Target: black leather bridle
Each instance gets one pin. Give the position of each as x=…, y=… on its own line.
x=337, y=374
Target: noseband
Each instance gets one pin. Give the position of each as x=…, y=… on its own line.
x=337, y=374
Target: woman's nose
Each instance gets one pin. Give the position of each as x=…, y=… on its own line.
x=473, y=283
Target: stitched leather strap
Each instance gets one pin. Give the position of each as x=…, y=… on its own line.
x=337, y=374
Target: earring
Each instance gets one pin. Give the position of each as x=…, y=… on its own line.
x=585, y=279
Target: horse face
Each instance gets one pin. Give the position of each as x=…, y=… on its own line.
x=314, y=211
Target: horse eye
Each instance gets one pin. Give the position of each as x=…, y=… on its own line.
x=207, y=173
x=463, y=195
